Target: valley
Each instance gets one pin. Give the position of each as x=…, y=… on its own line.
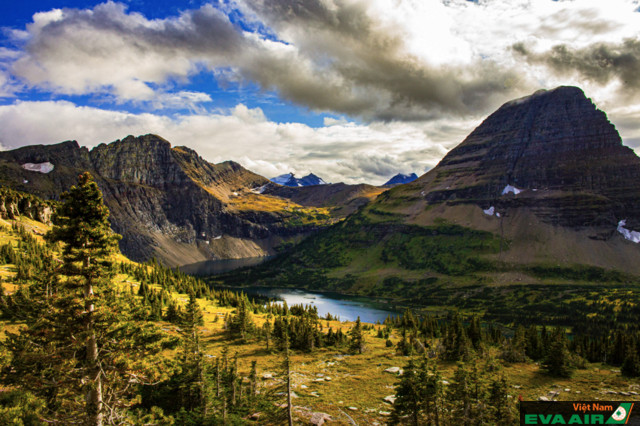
x=509, y=271
x=329, y=382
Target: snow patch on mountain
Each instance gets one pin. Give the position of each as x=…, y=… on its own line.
x=489, y=211
x=510, y=188
x=259, y=190
x=46, y=167
x=633, y=236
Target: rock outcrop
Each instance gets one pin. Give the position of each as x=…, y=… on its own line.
x=14, y=204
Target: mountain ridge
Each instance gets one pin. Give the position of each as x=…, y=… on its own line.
x=168, y=202
x=534, y=195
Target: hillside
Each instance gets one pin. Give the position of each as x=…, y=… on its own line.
x=534, y=196
x=330, y=381
x=169, y=203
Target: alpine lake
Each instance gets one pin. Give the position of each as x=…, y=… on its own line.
x=344, y=307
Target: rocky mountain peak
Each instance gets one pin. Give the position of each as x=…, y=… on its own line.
x=552, y=143
x=144, y=160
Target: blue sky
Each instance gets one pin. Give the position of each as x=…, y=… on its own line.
x=222, y=97
x=352, y=90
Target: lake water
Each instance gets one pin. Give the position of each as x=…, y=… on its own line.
x=345, y=307
x=215, y=267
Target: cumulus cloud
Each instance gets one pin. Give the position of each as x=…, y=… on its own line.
x=345, y=151
x=343, y=56
x=417, y=74
x=373, y=59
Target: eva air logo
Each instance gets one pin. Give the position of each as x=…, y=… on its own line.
x=621, y=415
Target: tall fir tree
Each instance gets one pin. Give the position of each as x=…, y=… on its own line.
x=356, y=340
x=83, y=355
x=558, y=361
x=191, y=359
x=409, y=397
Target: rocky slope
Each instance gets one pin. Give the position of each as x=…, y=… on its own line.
x=542, y=191
x=14, y=204
x=167, y=201
x=341, y=198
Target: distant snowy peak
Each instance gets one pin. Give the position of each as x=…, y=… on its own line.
x=289, y=179
x=311, y=179
x=286, y=180
x=401, y=178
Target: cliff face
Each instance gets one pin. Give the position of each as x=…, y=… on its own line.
x=166, y=202
x=557, y=150
x=14, y=204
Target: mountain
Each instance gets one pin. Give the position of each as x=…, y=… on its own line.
x=168, y=202
x=289, y=179
x=343, y=199
x=400, y=179
x=542, y=192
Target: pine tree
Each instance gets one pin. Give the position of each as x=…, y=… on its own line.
x=432, y=393
x=82, y=354
x=241, y=324
x=456, y=342
x=191, y=359
x=475, y=332
x=460, y=393
x=287, y=367
x=631, y=364
x=356, y=341
x=499, y=402
x=557, y=362
x=515, y=350
x=409, y=397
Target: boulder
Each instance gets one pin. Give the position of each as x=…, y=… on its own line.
x=318, y=419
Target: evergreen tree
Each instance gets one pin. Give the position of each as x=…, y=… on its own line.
x=456, y=343
x=460, y=394
x=241, y=324
x=409, y=397
x=356, y=341
x=192, y=376
x=631, y=364
x=475, y=333
x=558, y=362
x=534, y=349
x=82, y=354
x=515, y=350
x=433, y=392
x=499, y=403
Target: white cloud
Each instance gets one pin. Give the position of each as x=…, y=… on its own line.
x=374, y=59
x=341, y=152
x=420, y=73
